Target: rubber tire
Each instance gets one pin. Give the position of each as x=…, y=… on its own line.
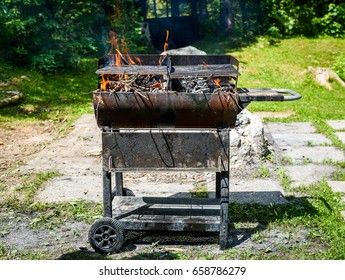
x=106, y=236
x=126, y=192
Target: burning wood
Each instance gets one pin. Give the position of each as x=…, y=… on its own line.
x=204, y=85
x=165, y=73
x=133, y=83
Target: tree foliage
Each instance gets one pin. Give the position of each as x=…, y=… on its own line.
x=279, y=18
x=55, y=34
x=288, y=18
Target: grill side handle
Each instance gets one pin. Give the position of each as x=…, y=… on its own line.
x=292, y=95
x=247, y=95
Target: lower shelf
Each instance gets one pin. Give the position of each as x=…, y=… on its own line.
x=162, y=213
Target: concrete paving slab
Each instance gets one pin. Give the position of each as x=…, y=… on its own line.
x=308, y=174
x=337, y=124
x=317, y=154
x=262, y=191
x=294, y=127
x=69, y=188
x=300, y=139
x=341, y=136
x=337, y=186
x=69, y=155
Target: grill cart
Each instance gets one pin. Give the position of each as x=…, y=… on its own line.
x=167, y=113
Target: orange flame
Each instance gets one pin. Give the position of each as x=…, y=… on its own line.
x=166, y=41
x=125, y=51
x=165, y=47
x=138, y=60
x=104, y=83
x=216, y=81
x=114, y=47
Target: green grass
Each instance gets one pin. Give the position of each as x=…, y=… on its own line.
x=60, y=97
x=23, y=199
x=284, y=66
x=199, y=191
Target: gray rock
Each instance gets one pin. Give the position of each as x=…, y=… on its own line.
x=190, y=50
x=248, y=143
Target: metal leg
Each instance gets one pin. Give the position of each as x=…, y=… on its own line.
x=217, y=184
x=107, y=195
x=119, y=183
x=224, y=210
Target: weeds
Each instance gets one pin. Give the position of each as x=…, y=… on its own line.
x=199, y=191
x=284, y=178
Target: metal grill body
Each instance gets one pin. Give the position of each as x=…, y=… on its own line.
x=174, y=129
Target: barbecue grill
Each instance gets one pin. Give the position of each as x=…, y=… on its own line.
x=167, y=113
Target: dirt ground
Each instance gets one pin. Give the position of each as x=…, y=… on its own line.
x=21, y=143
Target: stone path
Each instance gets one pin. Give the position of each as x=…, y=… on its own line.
x=308, y=152
x=77, y=158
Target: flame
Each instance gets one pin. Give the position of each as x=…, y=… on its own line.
x=104, y=83
x=125, y=51
x=165, y=47
x=166, y=41
x=138, y=60
x=158, y=85
x=216, y=81
x=114, y=47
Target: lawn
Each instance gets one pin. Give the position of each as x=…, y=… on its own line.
x=284, y=65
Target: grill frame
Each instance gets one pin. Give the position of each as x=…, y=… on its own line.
x=170, y=131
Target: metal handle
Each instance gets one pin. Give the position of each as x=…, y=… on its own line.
x=292, y=94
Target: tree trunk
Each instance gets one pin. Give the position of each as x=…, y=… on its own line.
x=194, y=8
x=226, y=17
x=203, y=9
x=175, y=10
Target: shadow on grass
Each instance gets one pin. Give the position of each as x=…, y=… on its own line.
x=223, y=45
x=83, y=255
x=249, y=218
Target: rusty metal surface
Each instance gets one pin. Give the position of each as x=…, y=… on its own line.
x=165, y=110
x=166, y=150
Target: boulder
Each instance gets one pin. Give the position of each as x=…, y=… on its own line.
x=248, y=144
x=190, y=50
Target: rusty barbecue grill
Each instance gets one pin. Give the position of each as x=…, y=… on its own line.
x=167, y=113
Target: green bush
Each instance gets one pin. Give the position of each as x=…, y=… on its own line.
x=288, y=18
x=333, y=22
x=53, y=35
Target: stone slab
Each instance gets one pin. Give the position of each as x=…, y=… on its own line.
x=262, y=191
x=69, y=188
x=300, y=139
x=337, y=186
x=308, y=174
x=70, y=155
x=317, y=154
x=341, y=136
x=293, y=127
x=337, y=124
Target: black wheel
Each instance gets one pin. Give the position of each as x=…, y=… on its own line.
x=106, y=236
x=126, y=192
